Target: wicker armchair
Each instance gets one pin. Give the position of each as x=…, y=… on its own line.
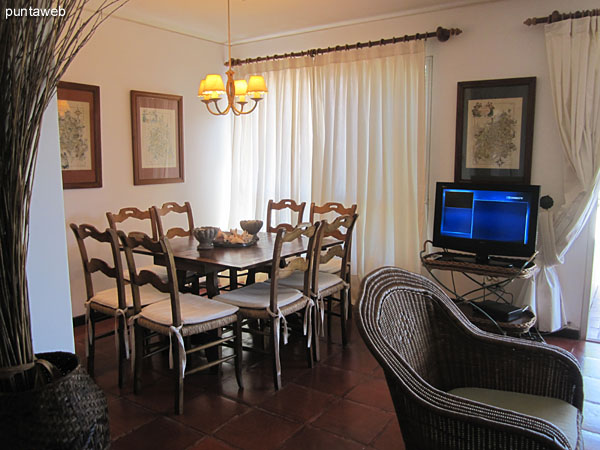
x=437, y=365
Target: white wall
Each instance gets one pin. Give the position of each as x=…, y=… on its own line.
x=124, y=56
x=494, y=44
x=47, y=269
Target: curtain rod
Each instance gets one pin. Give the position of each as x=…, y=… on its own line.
x=557, y=17
x=442, y=34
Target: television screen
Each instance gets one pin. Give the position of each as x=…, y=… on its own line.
x=486, y=219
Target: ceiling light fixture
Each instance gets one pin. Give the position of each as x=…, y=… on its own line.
x=212, y=88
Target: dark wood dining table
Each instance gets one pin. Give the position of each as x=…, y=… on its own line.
x=209, y=262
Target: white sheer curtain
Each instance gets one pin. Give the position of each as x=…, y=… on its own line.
x=573, y=50
x=347, y=127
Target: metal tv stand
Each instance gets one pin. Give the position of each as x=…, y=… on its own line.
x=496, y=273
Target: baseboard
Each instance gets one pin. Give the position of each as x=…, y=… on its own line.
x=79, y=320
x=568, y=333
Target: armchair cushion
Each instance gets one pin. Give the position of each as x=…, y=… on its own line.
x=559, y=413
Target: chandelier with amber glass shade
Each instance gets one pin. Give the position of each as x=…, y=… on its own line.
x=237, y=92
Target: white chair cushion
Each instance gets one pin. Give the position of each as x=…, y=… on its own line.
x=296, y=280
x=161, y=271
x=558, y=412
x=109, y=297
x=334, y=265
x=194, y=309
x=258, y=296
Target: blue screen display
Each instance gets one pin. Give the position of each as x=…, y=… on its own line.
x=486, y=215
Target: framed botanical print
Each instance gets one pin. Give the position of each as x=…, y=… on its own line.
x=494, y=130
x=157, y=132
x=79, y=132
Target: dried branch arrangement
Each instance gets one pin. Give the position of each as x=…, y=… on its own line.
x=34, y=54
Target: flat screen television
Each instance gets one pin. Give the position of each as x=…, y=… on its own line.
x=492, y=219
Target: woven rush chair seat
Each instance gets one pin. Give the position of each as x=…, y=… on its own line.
x=457, y=387
x=197, y=315
x=328, y=283
x=256, y=296
x=109, y=301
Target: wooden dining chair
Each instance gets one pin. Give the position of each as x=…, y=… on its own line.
x=271, y=302
x=284, y=204
x=138, y=221
x=116, y=302
x=330, y=211
x=180, y=316
x=174, y=208
x=325, y=285
x=188, y=281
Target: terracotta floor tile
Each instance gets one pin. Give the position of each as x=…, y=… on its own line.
x=591, y=441
x=372, y=392
x=208, y=411
x=591, y=388
x=210, y=443
x=591, y=417
x=161, y=433
x=159, y=396
x=258, y=430
x=126, y=416
x=354, y=357
x=591, y=367
x=297, y=403
x=358, y=422
x=314, y=439
x=390, y=438
x=330, y=380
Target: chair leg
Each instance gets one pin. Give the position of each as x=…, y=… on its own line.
x=251, y=277
x=275, y=352
x=310, y=348
x=238, y=353
x=139, y=356
x=327, y=312
x=121, y=355
x=178, y=378
x=316, y=345
x=343, y=309
x=91, y=343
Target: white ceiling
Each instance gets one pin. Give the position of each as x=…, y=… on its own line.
x=258, y=19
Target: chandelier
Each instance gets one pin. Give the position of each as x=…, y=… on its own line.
x=237, y=91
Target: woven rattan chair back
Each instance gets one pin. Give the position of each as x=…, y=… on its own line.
x=139, y=277
x=329, y=211
x=113, y=269
x=284, y=204
x=133, y=215
x=174, y=208
x=427, y=347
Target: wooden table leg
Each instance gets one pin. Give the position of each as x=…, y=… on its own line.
x=212, y=284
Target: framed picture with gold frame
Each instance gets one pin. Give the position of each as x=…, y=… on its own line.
x=494, y=130
x=157, y=133
x=79, y=132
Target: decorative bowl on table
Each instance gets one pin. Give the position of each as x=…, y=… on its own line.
x=233, y=238
x=251, y=226
x=205, y=236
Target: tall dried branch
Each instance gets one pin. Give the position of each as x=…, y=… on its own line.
x=34, y=54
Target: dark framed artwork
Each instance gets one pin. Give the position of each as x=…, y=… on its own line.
x=79, y=132
x=494, y=131
x=157, y=132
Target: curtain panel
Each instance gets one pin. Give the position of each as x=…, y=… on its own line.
x=347, y=127
x=573, y=52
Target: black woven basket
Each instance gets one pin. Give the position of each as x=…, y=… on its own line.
x=70, y=413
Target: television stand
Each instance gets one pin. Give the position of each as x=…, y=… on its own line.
x=497, y=273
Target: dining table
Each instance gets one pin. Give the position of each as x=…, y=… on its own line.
x=209, y=262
